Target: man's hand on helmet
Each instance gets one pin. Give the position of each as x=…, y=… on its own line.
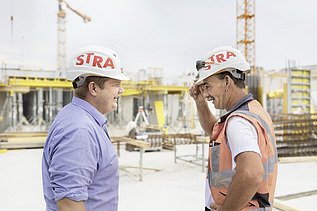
x=195, y=93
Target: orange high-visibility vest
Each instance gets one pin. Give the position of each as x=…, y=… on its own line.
x=220, y=171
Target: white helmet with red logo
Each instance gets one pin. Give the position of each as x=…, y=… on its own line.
x=225, y=58
x=95, y=61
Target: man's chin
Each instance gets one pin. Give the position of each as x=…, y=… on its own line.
x=114, y=106
x=111, y=108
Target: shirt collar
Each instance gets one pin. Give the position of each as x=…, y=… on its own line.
x=239, y=105
x=101, y=119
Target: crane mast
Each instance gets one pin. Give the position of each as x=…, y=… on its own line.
x=61, y=36
x=246, y=41
x=246, y=29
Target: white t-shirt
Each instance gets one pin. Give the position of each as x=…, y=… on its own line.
x=242, y=137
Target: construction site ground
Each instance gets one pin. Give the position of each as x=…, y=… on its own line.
x=177, y=186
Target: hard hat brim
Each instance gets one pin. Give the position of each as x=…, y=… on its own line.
x=120, y=77
x=72, y=75
x=200, y=81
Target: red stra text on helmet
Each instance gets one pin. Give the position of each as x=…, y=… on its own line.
x=91, y=59
x=221, y=57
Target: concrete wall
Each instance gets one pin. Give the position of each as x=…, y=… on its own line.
x=126, y=107
x=4, y=117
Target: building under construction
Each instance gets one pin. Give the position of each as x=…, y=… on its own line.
x=31, y=99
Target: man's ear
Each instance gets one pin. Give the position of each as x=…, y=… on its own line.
x=92, y=88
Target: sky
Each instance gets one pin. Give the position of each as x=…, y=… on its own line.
x=168, y=34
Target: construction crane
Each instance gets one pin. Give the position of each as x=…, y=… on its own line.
x=61, y=39
x=246, y=29
x=246, y=41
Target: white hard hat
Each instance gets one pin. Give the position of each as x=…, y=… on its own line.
x=225, y=58
x=95, y=61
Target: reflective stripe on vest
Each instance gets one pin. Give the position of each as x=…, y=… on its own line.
x=263, y=209
x=223, y=179
x=266, y=127
x=269, y=166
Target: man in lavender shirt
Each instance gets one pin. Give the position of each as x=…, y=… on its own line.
x=80, y=165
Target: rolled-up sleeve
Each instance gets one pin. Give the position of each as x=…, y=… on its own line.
x=73, y=165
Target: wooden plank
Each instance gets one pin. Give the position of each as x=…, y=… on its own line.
x=282, y=206
x=23, y=134
x=140, y=144
x=203, y=139
x=116, y=139
x=297, y=159
x=5, y=145
x=22, y=142
x=38, y=139
x=137, y=167
x=12, y=140
x=297, y=195
x=134, y=142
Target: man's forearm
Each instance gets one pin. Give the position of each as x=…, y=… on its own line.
x=66, y=204
x=206, y=118
x=242, y=189
x=245, y=183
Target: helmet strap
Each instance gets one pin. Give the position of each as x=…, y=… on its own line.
x=237, y=74
x=79, y=81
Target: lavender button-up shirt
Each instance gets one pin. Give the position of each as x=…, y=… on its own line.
x=79, y=161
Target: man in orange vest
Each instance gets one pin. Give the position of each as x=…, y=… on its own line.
x=242, y=164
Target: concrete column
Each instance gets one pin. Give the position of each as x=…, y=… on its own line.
x=14, y=111
x=20, y=108
x=40, y=104
x=59, y=103
x=50, y=104
x=34, y=108
x=165, y=101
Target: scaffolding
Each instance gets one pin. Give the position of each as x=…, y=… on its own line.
x=299, y=99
